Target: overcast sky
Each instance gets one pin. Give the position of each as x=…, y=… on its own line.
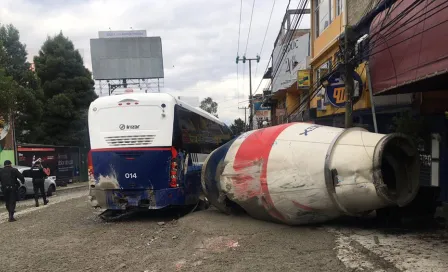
x=199, y=38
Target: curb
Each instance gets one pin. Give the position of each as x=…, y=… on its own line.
x=69, y=188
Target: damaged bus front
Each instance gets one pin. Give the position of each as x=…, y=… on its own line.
x=138, y=159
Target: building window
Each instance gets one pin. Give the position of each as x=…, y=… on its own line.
x=323, y=70
x=339, y=7
x=323, y=15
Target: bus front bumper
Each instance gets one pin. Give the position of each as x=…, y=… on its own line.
x=116, y=199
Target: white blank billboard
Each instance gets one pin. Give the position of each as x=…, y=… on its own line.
x=127, y=58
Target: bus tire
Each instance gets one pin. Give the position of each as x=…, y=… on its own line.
x=203, y=205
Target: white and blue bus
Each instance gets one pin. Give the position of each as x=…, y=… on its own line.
x=147, y=151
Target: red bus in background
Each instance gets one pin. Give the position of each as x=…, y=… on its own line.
x=62, y=162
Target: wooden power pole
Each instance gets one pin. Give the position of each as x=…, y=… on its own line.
x=348, y=76
x=245, y=117
x=251, y=104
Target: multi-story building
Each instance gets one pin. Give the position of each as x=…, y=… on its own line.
x=290, y=55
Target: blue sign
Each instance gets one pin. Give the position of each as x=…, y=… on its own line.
x=335, y=90
x=258, y=106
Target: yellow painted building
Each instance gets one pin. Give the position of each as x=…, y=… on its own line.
x=327, y=24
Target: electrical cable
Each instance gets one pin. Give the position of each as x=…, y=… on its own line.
x=411, y=19
x=267, y=66
x=285, y=48
x=397, y=18
x=250, y=26
x=316, y=88
x=265, y=34
x=387, y=37
x=313, y=93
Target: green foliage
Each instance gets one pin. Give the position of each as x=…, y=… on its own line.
x=238, y=126
x=68, y=88
x=209, y=106
x=23, y=97
x=8, y=96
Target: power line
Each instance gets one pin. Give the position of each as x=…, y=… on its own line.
x=411, y=19
x=298, y=20
x=317, y=84
x=285, y=48
x=262, y=78
x=313, y=93
x=267, y=66
x=296, y=23
x=416, y=3
x=416, y=34
x=250, y=26
x=396, y=19
x=239, y=27
x=387, y=36
x=265, y=34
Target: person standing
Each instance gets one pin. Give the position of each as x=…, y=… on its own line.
x=38, y=175
x=9, y=182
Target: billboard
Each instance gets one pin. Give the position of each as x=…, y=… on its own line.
x=121, y=34
x=294, y=59
x=127, y=58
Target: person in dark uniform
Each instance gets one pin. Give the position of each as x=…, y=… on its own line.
x=9, y=181
x=38, y=175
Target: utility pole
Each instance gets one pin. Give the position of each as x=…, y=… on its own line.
x=245, y=117
x=251, y=105
x=348, y=78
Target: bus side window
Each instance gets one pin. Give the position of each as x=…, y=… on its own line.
x=177, y=133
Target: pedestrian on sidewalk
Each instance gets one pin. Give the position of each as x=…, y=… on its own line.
x=9, y=181
x=38, y=175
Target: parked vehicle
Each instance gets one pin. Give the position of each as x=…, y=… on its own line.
x=27, y=188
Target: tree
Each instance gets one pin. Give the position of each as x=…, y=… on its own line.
x=27, y=102
x=8, y=96
x=238, y=126
x=209, y=106
x=68, y=89
x=15, y=59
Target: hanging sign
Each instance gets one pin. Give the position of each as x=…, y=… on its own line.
x=335, y=91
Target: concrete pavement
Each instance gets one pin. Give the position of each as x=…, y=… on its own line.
x=67, y=235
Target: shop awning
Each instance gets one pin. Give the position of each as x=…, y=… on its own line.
x=410, y=54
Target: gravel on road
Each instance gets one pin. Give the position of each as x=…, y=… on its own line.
x=68, y=236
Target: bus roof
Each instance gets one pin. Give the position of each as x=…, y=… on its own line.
x=108, y=100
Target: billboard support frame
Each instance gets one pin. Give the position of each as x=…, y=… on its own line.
x=147, y=84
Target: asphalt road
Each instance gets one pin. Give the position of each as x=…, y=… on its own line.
x=67, y=235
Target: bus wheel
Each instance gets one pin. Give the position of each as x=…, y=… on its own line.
x=203, y=204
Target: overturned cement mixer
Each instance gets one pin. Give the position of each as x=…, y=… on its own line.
x=300, y=173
